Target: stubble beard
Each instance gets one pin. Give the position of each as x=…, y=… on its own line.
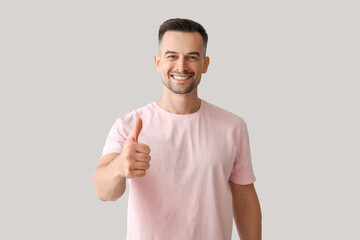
x=170, y=85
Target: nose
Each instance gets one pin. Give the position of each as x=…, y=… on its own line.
x=181, y=65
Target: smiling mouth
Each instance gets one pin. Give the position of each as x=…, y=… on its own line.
x=180, y=78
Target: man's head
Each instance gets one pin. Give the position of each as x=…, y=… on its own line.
x=182, y=25
x=182, y=58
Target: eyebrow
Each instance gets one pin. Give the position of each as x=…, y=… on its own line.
x=190, y=53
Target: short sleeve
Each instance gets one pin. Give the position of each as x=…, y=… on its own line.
x=242, y=172
x=115, y=139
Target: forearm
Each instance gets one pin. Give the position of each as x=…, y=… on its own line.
x=246, y=211
x=109, y=186
x=248, y=221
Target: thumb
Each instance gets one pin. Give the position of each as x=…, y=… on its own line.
x=136, y=130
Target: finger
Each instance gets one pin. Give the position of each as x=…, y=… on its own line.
x=136, y=130
x=141, y=157
x=142, y=148
x=137, y=173
x=141, y=166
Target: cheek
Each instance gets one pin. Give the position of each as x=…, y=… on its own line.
x=198, y=68
x=165, y=71
x=166, y=67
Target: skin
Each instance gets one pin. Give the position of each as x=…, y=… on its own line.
x=183, y=55
x=180, y=55
x=246, y=211
x=113, y=169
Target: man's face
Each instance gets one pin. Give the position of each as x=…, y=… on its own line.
x=181, y=61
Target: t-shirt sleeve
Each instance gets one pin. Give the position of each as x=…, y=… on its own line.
x=242, y=172
x=115, y=139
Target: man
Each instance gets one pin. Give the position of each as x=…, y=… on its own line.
x=200, y=173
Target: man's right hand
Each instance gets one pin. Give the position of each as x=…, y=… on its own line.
x=134, y=158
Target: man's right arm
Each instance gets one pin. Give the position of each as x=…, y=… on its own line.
x=113, y=169
x=109, y=184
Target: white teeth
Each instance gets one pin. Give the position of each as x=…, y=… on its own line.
x=180, y=78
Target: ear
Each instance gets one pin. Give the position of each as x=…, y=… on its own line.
x=157, y=62
x=206, y=64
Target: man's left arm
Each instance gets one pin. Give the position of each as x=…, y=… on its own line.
x=246, y=211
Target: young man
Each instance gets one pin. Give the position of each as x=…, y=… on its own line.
x=200, y=173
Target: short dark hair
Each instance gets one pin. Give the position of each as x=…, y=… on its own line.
x=182, y=25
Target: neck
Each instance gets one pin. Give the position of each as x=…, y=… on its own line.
x=179, y=103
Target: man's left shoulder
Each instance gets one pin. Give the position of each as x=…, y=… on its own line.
x=224, y=115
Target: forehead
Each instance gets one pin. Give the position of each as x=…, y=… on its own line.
x=182, y=42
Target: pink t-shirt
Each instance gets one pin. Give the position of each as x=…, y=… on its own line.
x=185, y=193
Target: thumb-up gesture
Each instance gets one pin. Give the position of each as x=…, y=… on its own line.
x=134, y=158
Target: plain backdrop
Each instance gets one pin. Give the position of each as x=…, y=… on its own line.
x=68, y=69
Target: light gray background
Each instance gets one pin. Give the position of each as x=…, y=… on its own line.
x=69, y=68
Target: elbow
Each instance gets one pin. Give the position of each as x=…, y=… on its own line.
x=103, y=197
x=107, y=191
x=106, y=197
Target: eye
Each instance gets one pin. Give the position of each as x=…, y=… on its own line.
x=193, y=58
x=171, y=56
